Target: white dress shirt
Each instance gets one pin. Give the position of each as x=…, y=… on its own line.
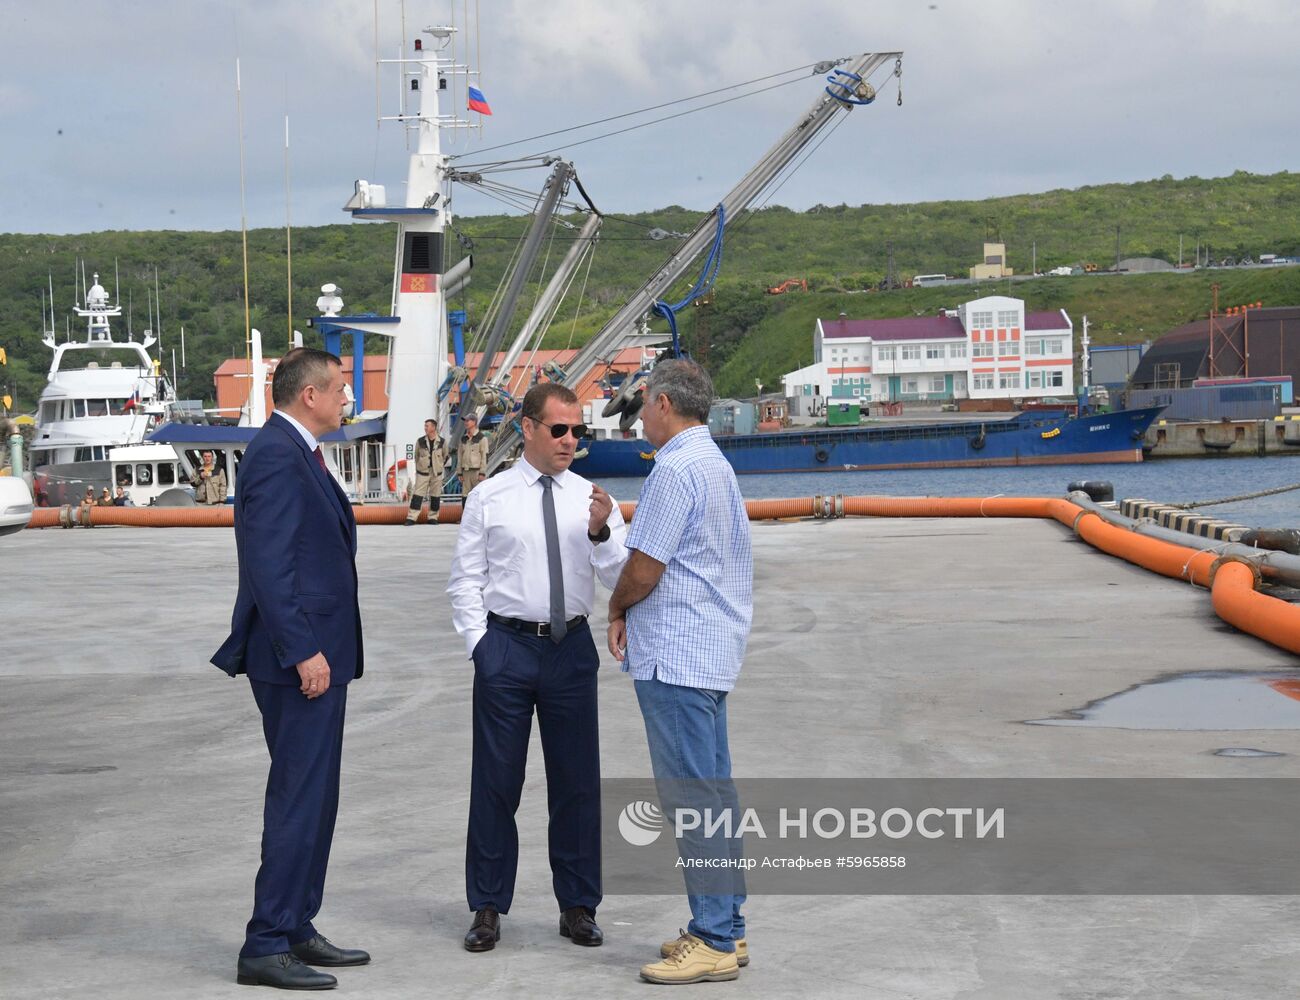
x=500, y=564
x=307, y=435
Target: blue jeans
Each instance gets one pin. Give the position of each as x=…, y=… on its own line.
x=686, y=729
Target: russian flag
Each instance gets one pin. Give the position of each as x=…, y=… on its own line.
x=477, y=102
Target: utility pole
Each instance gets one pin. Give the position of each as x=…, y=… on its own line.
x=1034, y=267
x=1117, y=249
x=891, y=275
x=1180, y=249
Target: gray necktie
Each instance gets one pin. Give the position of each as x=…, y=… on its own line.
x=558, y=627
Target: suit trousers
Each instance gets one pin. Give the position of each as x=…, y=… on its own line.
x=305, y=740
x=515, y=673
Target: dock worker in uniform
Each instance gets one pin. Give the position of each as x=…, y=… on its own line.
x=209, y=482
x=679, y=620
x=430, y=460
x=472, y=455
x=296, y=632
x=532, y=541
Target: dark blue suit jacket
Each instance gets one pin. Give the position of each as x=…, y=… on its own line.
x=297, y=544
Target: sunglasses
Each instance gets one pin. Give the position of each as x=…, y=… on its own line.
x=558, y=431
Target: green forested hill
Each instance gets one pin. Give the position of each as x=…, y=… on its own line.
x=751, y=335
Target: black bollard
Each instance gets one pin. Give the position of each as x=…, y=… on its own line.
x=1099, y=490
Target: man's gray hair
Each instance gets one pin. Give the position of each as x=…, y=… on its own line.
x=687, y=386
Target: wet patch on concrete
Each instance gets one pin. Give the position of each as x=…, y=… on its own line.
x=1246, y=752
x=1205, y=700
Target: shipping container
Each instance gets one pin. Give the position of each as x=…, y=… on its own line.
x=1226, y=402
x=732, y=416
x=843, y=414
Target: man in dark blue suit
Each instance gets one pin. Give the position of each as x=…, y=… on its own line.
x=296, y=632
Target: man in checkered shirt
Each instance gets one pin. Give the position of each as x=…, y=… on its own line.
x=679, y=621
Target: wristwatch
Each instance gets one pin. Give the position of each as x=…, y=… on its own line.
x=601, y=536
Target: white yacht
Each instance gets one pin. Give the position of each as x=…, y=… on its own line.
x=102, y=393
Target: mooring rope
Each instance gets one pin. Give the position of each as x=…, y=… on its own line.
x=1242, y=496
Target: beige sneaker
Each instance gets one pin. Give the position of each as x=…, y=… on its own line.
x=742, y=948
x=692, y=961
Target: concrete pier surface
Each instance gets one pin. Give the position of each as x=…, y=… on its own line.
x=131, y=772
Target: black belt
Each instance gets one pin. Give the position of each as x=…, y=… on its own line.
x=533, y=628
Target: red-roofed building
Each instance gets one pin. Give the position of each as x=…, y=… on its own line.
x=989, y=348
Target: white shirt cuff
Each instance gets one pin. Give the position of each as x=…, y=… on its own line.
x=471, y=640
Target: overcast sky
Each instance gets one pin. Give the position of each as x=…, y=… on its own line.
x=121, y=114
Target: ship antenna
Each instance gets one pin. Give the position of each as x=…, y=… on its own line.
x=401, y=80
x=157, y=299
x=478, y=55
x=288, y=224
x=243, y=212
x=117, y=281
x=378, y=110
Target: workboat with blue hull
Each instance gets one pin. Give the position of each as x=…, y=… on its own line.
x=1040, y=437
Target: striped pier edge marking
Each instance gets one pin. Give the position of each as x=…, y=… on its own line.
x=1181, y=520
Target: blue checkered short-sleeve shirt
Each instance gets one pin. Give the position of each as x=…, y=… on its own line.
x=692, y=628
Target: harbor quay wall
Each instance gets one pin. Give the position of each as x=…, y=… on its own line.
x=1275, y=436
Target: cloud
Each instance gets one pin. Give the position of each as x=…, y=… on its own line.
x=999, y=95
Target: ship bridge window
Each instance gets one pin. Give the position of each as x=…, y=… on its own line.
x=117, y=407
x=144, y=475
x=50, y=410
x=166, y=473
x=122, y=475
x=96, y=407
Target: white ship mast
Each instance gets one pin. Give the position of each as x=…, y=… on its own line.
x=417, y=328
x=97, y=312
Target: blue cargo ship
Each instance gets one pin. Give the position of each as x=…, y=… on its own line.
x=1040, y=437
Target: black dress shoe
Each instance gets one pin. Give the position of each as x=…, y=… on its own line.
x=579, y=926
x=319, y=951
x=485, y=932
x=282, y=971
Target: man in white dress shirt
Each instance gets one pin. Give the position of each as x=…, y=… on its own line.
x=531, y=542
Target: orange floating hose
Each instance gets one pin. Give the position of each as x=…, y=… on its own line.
x=1232, y=583
x=1238, y=603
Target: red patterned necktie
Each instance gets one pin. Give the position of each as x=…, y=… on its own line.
x=320, y=458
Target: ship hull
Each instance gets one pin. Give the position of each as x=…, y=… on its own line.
x=1040, y=438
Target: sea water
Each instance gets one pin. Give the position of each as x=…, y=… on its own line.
x=1169, y=480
